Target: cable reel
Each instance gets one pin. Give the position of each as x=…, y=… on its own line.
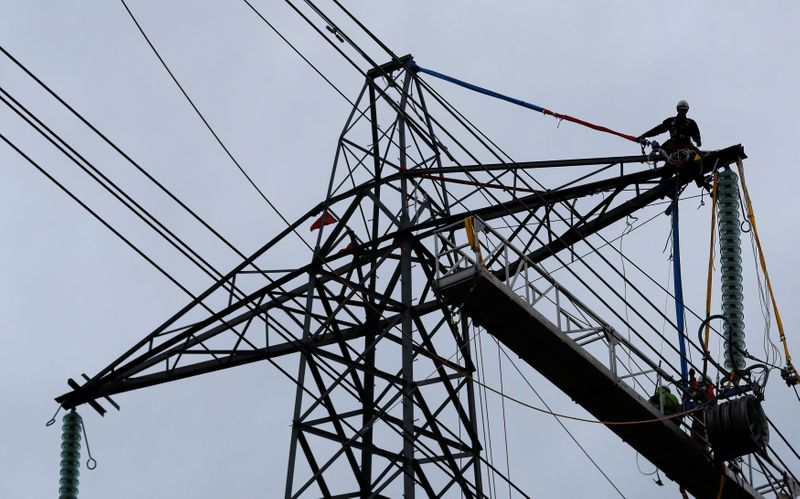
x=736, y=427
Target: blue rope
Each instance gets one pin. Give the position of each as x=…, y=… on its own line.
x=679, y=317
x=414, y=67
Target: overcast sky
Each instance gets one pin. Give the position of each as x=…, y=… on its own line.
x=74, y=297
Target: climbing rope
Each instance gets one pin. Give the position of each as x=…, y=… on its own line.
x=751, y=215
x=711, y=253
x=680, y=320
x=491, y=93
x=722, y=482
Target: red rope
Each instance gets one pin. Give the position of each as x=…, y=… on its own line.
x=599, y=128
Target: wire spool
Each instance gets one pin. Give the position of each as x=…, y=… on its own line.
x=736, y=427
x=731, y=268
x=70, y=456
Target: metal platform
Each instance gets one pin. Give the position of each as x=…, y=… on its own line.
x=540, y=343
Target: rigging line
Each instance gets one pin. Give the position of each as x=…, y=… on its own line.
x=625, y=294
x=555, y=211
x=607, y=243
x=446, y=104
x=297, y=51
x=561, y=423
x=518, y=102
x=505, y=426
x=557, y=258
x=593, y=271
x=643, y=296
x=638, y=467
x=95, y=215
x=208, y=126
x=623, y=255
x=658, y=284
x=763, y=300
x=635, y=288
x=586, y=420
x=484, y=401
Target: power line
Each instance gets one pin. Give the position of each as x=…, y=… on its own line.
x=96, y=215
x=119, y=194
x=208, y=126
x=297, y=51
x=220, y=281
x=122, y=153
x=248, y=261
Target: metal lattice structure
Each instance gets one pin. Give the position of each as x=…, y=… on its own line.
x=385, y=401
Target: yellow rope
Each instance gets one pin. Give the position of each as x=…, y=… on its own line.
x=763, y=261
x=711, y=256
x=469, y=226
x=722, y=483
x=470, y=233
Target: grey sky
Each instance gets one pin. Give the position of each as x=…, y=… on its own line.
x=74, y=297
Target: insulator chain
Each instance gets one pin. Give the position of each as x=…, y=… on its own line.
x=731, y=268
x=70, y=456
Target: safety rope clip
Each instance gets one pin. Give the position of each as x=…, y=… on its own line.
x=789, y=376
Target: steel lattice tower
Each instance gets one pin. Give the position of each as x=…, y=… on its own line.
x=385, y=404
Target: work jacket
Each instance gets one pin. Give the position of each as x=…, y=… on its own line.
x=680, y=129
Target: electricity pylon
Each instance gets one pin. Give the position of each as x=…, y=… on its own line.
x=385, y=401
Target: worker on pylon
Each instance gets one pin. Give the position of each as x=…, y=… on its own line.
x=682, y=130
x=679, y=148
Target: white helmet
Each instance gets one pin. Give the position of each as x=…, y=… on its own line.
x=682, y=104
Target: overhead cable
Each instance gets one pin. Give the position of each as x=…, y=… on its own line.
x=208, y=125
x=96, y=216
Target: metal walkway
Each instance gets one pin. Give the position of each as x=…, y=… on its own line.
x=508, y=308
